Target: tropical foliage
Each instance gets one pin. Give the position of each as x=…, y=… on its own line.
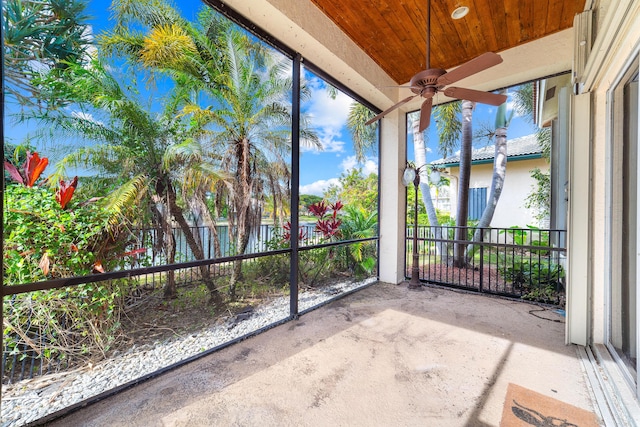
x=132, y=151
x=355, y=189
x=40, y=37
x=214, y=142
x=248, y=120
x=52, y=236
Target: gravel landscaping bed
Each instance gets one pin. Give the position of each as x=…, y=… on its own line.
x=30, y=400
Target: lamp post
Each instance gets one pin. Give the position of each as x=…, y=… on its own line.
x=411, y=174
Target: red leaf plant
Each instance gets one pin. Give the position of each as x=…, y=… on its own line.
x=65, y=192
x=318, y=209
x=328, y=227
x=328, y=223
x=134, y=252
x=31, y=170
x=336, y=207
x=302, y=234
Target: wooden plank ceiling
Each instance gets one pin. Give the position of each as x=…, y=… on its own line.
x=393, y=32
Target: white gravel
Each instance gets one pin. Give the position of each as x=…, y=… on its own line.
x=30, y=400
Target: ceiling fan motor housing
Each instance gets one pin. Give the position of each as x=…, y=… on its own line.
x=425, y=79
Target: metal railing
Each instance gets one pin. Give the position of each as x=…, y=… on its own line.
x=527, y=263
x=261, y=239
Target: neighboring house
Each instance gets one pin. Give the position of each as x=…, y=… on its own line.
x=523, y=155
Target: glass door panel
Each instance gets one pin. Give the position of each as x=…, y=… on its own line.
x=624, y=285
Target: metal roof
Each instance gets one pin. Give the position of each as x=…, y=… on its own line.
x=517, y=148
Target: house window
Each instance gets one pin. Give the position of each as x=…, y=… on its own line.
x=477, y=202
x=623, y=309
x=441, y=198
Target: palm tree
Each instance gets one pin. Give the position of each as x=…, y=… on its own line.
x=247, y=88
x=420, y=156
x=523, y=104
x=132, y=149
x=254, y=120
x=197, y=173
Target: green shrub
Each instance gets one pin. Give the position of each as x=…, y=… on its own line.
x=43, y=241
x=540, y=280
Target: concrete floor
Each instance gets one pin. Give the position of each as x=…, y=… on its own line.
x=384, y=356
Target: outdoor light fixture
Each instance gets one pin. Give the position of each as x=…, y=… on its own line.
x=434, y=176
x=411, y=174
x=460, y=12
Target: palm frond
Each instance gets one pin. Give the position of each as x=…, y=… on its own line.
x=364, y=137
x=166, y=47
x=189, y=151
x=119, y=203
x=449, y=126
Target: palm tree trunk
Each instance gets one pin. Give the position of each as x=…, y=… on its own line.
x=205, y=274
x=170, y=290
x=420, y=154
x=497, y=184
x=242, y=197
x=462, y=210
x=199, y=205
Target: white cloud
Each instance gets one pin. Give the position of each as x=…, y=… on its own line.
x=330, y=143
x=328, y=115
x=348, y=163
x=318, y=188
x=369, y=166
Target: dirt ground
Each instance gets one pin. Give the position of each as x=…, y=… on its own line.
x=384, y=356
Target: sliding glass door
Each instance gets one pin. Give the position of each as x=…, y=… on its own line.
x=623, y=308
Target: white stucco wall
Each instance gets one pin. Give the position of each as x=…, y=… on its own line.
x=517, y=186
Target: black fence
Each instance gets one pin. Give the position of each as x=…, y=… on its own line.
x=215, y=245
x=527, y=263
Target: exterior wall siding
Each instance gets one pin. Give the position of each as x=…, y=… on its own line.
x=518, y=184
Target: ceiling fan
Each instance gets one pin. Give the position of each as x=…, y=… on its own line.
x=433, y=80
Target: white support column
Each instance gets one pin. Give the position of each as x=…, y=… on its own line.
x=393, y=148
x=579, y=242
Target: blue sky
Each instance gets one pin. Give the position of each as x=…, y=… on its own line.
x=318, y=168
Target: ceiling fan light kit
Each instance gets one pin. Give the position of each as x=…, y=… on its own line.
x=429, y=82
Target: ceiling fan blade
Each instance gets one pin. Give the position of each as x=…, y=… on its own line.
x=481, y=63
x=425, y=114
x=475, y=95
x=388, y=110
